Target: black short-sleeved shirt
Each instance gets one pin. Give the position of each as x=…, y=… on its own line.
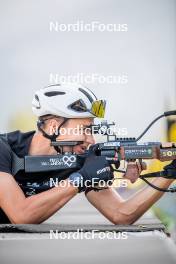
x=30, y=183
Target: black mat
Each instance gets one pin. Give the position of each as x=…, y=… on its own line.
x=46, y=228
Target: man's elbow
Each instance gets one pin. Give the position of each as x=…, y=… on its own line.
x=19, y=219
x=23, y=218
x=122, y=218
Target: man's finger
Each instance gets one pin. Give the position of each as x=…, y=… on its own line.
x=141, y=165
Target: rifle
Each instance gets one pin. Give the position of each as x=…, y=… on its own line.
x=114, y=149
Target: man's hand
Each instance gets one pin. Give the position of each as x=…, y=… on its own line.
x=134, y=170
x=95, y=169
x=171, y=166
x=170, y=170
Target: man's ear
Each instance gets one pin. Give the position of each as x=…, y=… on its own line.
x=53, y=126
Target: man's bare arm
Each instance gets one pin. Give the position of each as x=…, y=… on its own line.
x=34, y=209
x=119, y=211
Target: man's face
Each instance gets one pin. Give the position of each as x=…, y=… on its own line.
x=77, y=130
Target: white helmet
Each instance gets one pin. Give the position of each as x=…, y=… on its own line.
x=67, y=100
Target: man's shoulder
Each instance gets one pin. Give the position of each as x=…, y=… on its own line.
x=4, y=146
x=5, y=156
x=20, y=141
x=17, y=136
x=13, y=142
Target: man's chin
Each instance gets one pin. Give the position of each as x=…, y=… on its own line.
x=80, y=151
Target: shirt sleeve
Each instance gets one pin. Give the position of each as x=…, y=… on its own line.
x=5, y=158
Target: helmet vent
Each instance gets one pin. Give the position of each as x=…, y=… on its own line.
x=54, y=93
x=86, y=94
x=36, y=102
x=36, y=97
x=78, y=106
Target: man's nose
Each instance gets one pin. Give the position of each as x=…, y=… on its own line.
x=90, y=139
